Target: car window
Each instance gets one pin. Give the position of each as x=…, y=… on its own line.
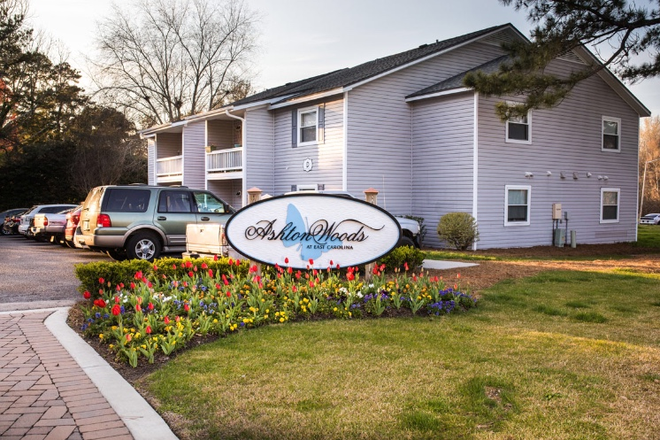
x=174, y=201
x=125, y=200
x=207, y=202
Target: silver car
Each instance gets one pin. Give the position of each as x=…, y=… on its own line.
x=27, y=218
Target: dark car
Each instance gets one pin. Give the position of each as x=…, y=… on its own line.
x=10, y=220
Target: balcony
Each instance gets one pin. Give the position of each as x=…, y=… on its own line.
x=225, y=164
x=169, y=169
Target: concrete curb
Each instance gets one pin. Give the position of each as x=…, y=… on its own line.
x=439, y=264
x=140, y=418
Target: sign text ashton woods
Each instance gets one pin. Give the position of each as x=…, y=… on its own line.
x=318, y=227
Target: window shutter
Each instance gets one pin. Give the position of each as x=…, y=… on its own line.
x=321, y=132
x=294, y=128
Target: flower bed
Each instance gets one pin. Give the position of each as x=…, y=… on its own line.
x=161, y=309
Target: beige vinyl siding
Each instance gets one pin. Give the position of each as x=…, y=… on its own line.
x=566, y=138
x=380, y=124
x=194, y=155
x=326, y=155
x=151, y=161
x=227, y=190
x=258, y=169
x=168, y=145
x=442, y=180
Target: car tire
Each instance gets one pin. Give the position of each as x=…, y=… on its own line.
x=143, y=246
x=405, y=241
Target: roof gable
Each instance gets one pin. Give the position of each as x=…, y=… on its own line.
x=355, y=75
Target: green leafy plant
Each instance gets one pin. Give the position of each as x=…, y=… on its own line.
x=152, y=311
x=400, y=256
x=459, y=229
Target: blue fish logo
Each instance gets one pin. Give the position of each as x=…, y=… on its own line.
x=312, y=248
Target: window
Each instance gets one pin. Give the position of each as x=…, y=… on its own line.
x=611, y=134
x=308, y=122
x=126, y=200
x=516, y=205
x=174, y=202
x=208, y=203
x=519, y=129
x=609, y=205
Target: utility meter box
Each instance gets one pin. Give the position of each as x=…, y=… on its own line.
x=556, y=211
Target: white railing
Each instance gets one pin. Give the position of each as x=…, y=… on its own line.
x=169, y=166
x=230, y=159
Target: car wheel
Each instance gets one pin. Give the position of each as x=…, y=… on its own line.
x=117, y=254
x=405, y=241
x=143, y=246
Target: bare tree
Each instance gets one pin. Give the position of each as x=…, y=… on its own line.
x=161, y=60
x=649, y=158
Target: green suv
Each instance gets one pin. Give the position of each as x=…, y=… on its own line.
x=140, y=221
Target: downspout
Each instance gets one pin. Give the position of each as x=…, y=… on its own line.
x=243, y=156
x=206, y=162
x=344, y=169
x=475, y=164
x=412, y=158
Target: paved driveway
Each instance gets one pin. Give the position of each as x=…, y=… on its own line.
x=36, y=275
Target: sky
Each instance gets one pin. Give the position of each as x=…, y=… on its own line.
x=302, y=38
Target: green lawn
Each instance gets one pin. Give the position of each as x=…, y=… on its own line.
x=562, y=355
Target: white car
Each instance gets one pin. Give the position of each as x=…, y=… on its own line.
x=410, y=228
x=650, y=219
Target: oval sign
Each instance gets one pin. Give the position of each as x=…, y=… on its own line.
x=315, y=230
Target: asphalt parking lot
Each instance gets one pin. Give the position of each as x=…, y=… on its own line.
x=37, y=275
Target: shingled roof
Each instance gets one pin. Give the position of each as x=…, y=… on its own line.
x=456, y=81
x=349, y=76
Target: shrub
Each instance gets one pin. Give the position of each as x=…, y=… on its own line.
x=404, y=254
x=117, y=272
x=459, y=229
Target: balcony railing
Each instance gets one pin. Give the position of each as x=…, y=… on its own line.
x=221, y=161
x=169, y=166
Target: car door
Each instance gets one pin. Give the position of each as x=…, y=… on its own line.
x=211, y=209
x=174, y=212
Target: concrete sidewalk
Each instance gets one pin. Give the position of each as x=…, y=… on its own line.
x=440, y=264
x=53, y=385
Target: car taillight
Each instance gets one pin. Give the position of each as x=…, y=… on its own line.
x=103, y=220
x=45, y=221
x=75, y=218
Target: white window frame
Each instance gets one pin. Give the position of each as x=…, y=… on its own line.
x=618, y=204
x=602, y=134
x=529, y=129
x=302, y=111
x=508, y=188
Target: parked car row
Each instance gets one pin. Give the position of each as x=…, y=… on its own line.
x=41, y=222
x=137, y=221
